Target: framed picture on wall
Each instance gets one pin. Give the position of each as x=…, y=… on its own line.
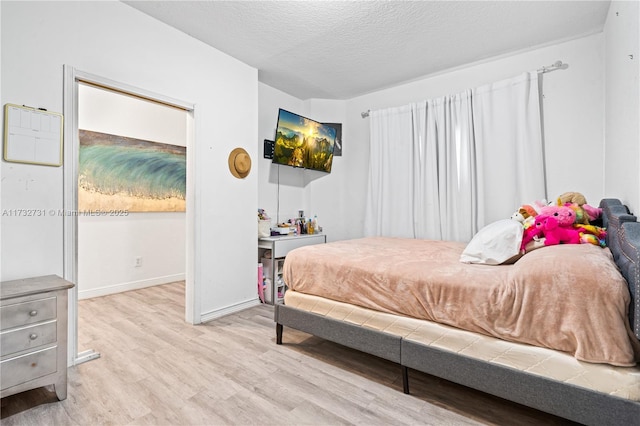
x=337, y=148
x=122, y=173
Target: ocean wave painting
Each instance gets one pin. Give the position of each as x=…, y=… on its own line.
x=121, y=173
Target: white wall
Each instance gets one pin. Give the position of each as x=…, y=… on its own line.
x=289, y=196
x=108, y=245
x=573, y=111
x=328, y=195
x=117, y=42
x=284, y=190
x=622, y=111
x=573, y=126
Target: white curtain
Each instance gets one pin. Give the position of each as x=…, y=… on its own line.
x=443, y=168
x=390, y=200
x=508, y=134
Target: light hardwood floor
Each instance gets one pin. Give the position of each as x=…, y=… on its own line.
x=156, y=369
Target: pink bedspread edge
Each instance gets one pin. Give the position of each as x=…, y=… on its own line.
x=570, y=298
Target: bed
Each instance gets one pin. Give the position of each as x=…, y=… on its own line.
x=587, y=373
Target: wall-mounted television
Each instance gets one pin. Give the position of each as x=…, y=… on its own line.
x=302, y=142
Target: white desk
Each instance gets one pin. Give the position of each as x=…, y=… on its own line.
x=280, y=246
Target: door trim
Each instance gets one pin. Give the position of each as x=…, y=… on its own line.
x=72, y=77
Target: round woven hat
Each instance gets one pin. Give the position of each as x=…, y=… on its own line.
x=239, y=163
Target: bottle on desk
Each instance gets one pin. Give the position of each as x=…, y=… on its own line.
x=310, y=229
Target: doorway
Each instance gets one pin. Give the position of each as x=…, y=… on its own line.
x=77, y=84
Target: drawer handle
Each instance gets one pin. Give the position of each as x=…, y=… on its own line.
x=33, y=313
x=33, y=336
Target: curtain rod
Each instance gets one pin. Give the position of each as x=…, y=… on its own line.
x=557, y=65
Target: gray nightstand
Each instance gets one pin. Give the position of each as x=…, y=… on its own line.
x=33, y=336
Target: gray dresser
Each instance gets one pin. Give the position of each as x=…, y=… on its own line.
x=33, y=336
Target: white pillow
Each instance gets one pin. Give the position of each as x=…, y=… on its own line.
x=495, y=243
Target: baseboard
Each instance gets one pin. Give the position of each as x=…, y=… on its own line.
x=135, y=285
x=210, y=316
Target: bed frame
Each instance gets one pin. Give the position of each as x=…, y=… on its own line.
x=545, y=394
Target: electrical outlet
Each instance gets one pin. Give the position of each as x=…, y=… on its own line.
x=138, y=262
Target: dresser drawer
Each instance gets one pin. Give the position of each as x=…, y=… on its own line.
x=27, y=312
x=19, y=339
x=283, y=247
x=21, y=369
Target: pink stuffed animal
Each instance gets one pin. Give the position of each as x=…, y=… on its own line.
x=565, y=215
x=592, y=212
x=556, y=234
x=533, y=231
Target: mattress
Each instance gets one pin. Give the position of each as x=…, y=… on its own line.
x=623, y=382
x=569, y=298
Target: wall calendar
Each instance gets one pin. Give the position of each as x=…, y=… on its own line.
x=32, y=135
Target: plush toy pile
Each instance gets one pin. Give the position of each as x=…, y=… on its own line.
x=569, y=221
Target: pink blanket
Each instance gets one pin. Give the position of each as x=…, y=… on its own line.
x=571, y=298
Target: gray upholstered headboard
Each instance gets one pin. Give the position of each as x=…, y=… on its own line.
x=623, y=238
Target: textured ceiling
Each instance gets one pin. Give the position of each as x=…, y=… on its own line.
x=343, y=49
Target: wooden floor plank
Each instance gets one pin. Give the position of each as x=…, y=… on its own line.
x=155, y=369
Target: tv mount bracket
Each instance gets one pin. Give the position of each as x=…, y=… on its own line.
x=268, y=148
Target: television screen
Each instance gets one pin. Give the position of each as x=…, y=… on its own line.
x=302, y=142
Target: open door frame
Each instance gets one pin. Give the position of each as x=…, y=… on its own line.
x=70, y=197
